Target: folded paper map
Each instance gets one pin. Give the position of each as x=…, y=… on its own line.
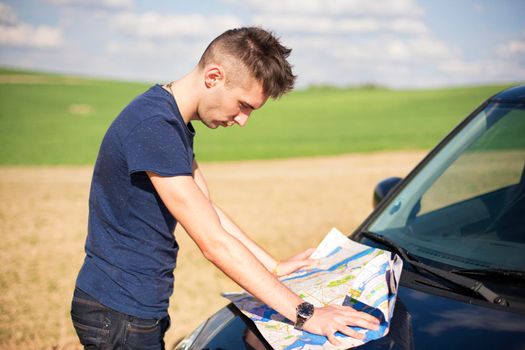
x=349, y=273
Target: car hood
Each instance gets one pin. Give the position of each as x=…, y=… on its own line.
x=426, y=321
x=421, y=320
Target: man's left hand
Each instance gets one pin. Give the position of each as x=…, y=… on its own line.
x=295, y=263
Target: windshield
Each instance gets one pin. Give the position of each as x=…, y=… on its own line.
x=466, y=206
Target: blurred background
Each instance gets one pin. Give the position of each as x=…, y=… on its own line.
x=379, y=84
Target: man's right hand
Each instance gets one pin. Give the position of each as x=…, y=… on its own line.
x=333, y=318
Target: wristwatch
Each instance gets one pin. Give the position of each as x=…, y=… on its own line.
x=304, y=312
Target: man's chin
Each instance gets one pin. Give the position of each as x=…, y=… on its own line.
x=211, y=125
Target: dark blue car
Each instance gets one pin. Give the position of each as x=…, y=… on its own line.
x=458, y=222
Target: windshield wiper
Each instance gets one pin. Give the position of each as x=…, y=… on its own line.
x=462, y=281
x=494, y=272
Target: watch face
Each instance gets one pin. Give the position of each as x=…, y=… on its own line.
x=305, y=310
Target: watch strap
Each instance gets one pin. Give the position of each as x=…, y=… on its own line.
x=299, y=323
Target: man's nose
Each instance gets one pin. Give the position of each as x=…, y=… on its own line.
x=241, y=119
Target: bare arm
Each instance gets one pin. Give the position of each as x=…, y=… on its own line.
x=231, y=227
x=193, y=210
x=278, y=268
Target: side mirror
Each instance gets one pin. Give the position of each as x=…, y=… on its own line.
x=383, y=188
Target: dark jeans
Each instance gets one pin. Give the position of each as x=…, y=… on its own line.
x=99, y=327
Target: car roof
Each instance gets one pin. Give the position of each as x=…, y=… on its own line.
x=512, y=95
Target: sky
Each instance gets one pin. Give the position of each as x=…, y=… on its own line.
x=392, y=43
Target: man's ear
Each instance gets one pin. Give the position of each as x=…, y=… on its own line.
x=213, y=75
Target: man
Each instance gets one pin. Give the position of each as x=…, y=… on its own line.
x=146, y=179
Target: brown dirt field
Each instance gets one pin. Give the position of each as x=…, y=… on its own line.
x=285, y=205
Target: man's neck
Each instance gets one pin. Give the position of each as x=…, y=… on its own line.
x=186, y=93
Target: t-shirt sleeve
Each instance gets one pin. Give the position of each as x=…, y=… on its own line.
x=158, y=146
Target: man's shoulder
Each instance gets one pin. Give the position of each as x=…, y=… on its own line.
x=154, y=98
x=155, y=102
x=151, y=104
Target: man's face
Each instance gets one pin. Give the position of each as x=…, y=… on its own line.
x=226, y=104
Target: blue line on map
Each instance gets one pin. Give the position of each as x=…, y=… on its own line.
x=334, y=267
x=380, y=300
x=333, y=252
x=307, y=339
x=381, y=271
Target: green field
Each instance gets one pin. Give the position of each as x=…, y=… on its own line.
x=53, y=119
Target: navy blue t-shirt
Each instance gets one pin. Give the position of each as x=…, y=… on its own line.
x=131, y=250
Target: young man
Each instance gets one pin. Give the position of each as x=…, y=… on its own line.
x=146, y=179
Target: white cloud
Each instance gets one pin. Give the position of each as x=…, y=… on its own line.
x=155, y=59
x=138, y=48
x=514, y=47
x=15, y=33
x=26, y=35
x=385, y=59
x=484, y=71
x=464, y=68
x=320, y=24
x=156, y=25
x=334, y=7
x=421, y=48
x=172, y=43
x=7, y=15
x=382, y=48
x=108, y=4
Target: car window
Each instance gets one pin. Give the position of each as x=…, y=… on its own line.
x=466, y=206
x=494, y=161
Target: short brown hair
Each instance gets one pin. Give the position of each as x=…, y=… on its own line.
x=260, y=52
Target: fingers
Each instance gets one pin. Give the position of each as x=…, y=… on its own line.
x=308, y=252
x=329, y=320
x=310, y=263
x=350, y=332
x=343, y=329
x=304, y=255
x=359, y=318
x=360, y=322
x=291, y=266
x=332, y=339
